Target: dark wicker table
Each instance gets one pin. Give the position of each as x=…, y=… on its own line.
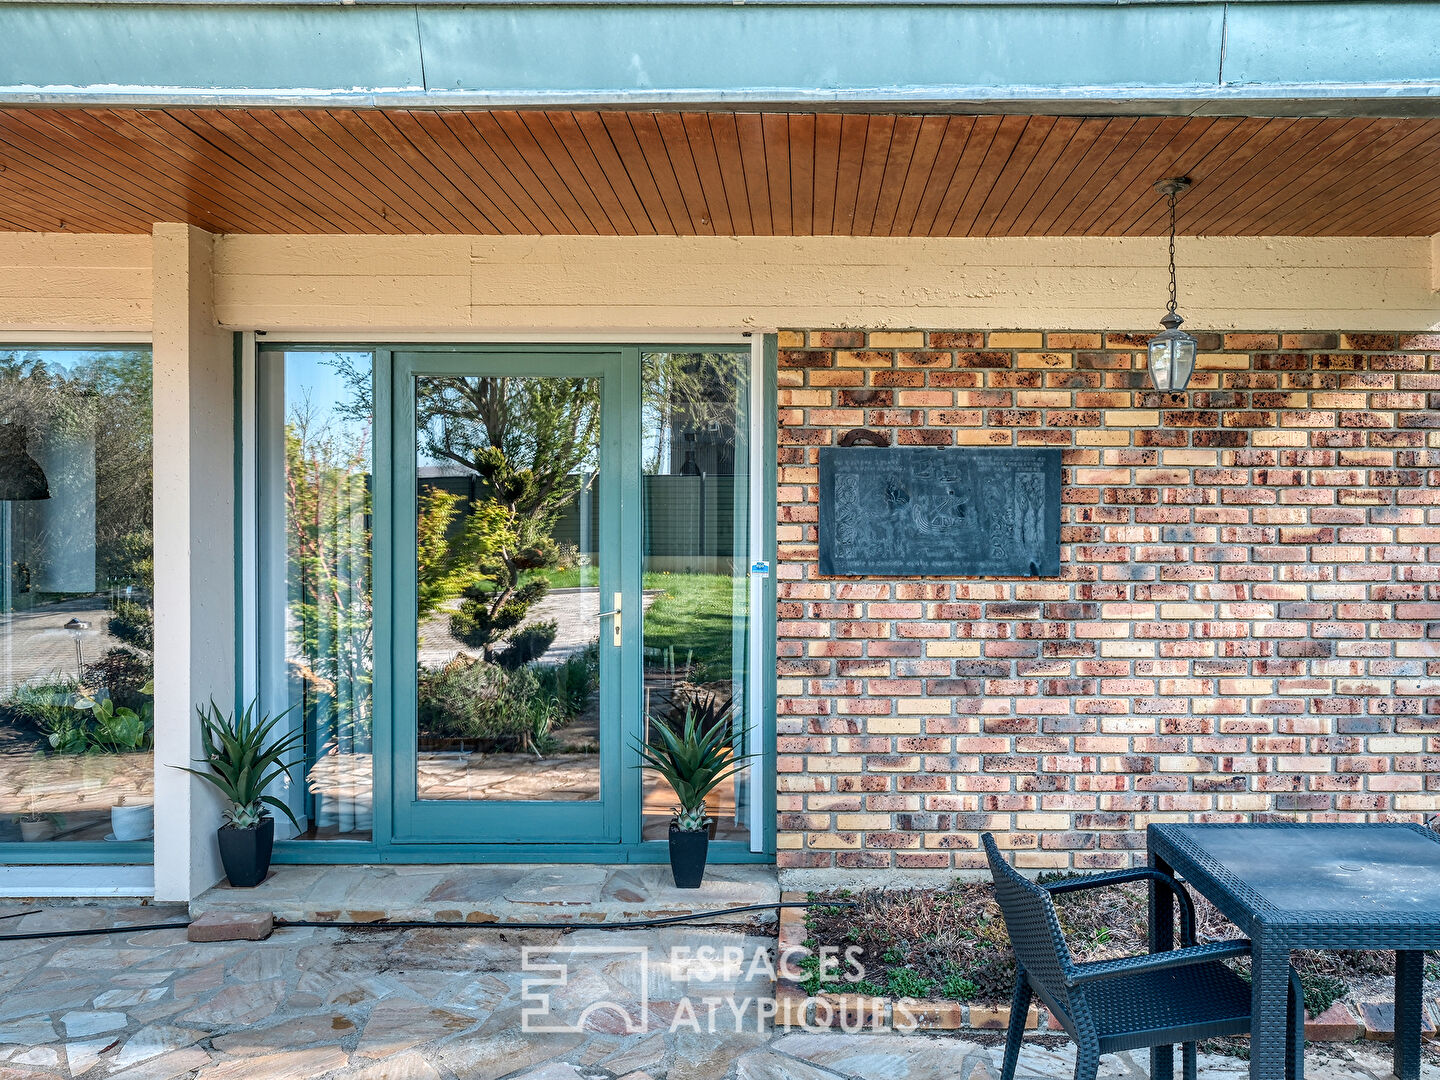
x=1299, y=886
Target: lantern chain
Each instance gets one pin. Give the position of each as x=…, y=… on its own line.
x=1173, y=304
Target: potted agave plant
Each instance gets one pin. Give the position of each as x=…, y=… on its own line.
x=242, y=760
x=694, y=760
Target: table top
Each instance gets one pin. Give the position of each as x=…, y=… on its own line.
x=1356, y=875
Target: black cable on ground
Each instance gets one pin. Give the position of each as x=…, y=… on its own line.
x=630, y=924
x=94, y=931
x=435, y=924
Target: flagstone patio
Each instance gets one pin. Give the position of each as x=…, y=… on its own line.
x=452, y=1005
x=492, y=892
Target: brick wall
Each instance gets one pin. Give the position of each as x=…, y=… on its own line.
x=1247, y=621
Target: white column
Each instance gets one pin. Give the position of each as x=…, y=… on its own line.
x=194, y=550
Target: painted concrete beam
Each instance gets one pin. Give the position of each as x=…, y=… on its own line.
x=393, y=287
x=1341, y=57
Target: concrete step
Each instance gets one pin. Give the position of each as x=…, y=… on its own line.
x=494, y=892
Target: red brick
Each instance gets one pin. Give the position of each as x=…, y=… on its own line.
x=231, y=926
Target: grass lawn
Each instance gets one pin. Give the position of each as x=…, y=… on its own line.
x=690, y=621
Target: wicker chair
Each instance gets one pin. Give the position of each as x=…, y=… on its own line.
x=1154, y=1000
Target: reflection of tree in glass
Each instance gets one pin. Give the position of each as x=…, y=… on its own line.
x=695, y=390
x=444, y=565
x=327, y=496
x=104, y=396
x=688, y=393
x=532, y=442
x=549, y=428
x=123, y=464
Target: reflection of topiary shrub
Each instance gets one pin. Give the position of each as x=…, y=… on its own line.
x=509, y=534
x=472, y=699
x=483, y=620
x=122, y=675
x=527, y=644
x=133, y=624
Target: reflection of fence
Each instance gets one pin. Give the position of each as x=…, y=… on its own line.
x=689, y=524
x=689, y=521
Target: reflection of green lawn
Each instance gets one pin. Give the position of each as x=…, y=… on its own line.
x=563, y=579
x=693, y=615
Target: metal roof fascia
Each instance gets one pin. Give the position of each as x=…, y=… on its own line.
x=1318, y=56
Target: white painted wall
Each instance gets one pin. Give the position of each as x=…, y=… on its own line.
x=194, y=550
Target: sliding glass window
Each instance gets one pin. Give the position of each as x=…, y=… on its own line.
x=315, y=610
x=76, y=614
x=695, y=447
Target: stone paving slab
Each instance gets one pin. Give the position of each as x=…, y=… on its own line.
x=370, y=1004
x=499, y=892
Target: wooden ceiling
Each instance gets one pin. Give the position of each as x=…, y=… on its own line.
x=257, y=170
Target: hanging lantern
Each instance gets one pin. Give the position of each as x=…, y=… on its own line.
x=21, y=478
x=1172, y=353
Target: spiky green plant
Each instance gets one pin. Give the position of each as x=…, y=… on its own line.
x=693, y=761
x=242, y=762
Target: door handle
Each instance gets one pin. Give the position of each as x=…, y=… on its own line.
x=615, y=611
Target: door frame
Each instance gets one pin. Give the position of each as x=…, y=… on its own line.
x=763, y=349
x=415, y=820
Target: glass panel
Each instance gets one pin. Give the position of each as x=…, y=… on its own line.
x=509, y=613
x=76, y=616
x=315, y=610
x=696, y=542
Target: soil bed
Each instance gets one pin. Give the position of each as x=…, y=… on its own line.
x=950, y=943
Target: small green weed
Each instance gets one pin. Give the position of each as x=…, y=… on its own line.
x=905, y=983
x=957, y=987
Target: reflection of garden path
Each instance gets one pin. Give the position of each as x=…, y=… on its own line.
x=467, y=777
x=79, y=789
x=38, y=647
x=472, y=777
x=76, y=790
x=575, y=612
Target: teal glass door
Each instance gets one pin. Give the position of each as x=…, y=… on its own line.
x=509, y=613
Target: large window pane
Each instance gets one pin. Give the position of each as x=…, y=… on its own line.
x=695, y=546
x=315, y=611
x=76, y=616
x=507, y=486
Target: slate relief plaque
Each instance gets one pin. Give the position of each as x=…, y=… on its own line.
x=917, y=511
